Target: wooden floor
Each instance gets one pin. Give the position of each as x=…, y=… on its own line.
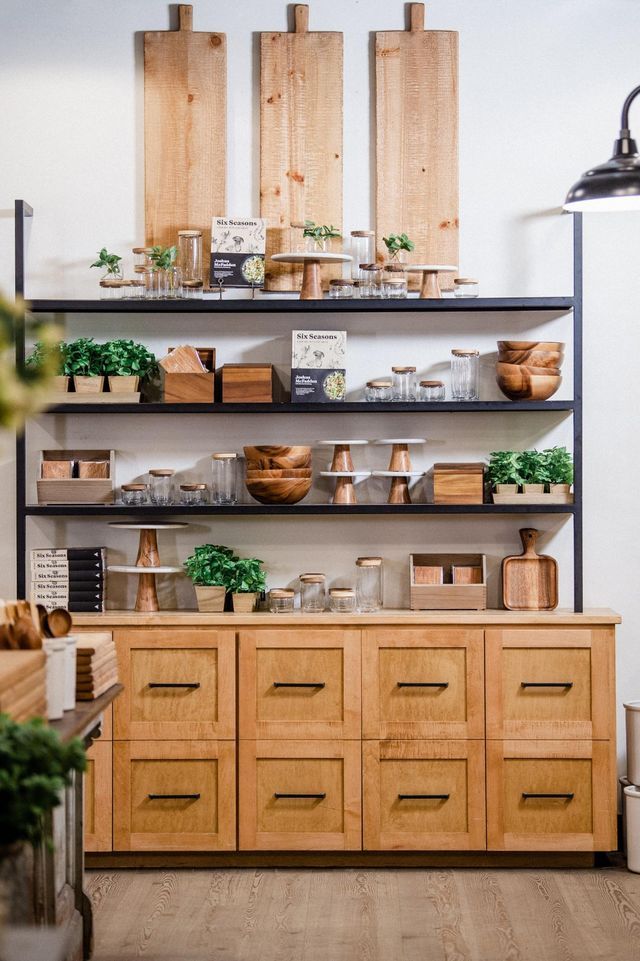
x=366, y=915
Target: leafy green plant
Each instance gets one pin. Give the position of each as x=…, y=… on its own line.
x=124, y=358
x=559, y=464
x=247, y=576
x=83, y=358
x=533, y=467
x=397, y=242
x=319, y=232
x=46, y=355
x=504, y=467
x=35, y=766
x=211, y=565
x=163, y=258
x=110, y=262
x=24, y=388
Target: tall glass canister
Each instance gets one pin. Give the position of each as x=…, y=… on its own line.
x=224, y=488
x=190, y=256
x=362, y=251
x=464, y=374
x=312, y=593
x=161, y=486
x=369, y=584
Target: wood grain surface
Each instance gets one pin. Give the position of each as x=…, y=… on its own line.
x=185, y=132
x=300, y=139
x=417, y=142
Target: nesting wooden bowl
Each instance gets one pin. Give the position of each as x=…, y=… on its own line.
x=279, y=472
x=279, y=490
x=532, y=358
x=276, y=458
x=278, y=475
x=529, y=369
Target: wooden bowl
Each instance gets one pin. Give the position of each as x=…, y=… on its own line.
x=512, y=369
x=526, y=386
x=270, y=457
x=279, y=472
x=530, y=345
x=532, y=358
x=279, y=490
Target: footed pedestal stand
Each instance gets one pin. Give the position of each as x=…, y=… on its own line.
x=147, y=564
x=399, y=468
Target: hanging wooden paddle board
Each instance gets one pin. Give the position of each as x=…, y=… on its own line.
x=185, y=138
x=300, y=138
x=417, y=141
x=530, y=580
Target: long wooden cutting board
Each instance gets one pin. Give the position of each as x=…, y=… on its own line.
x=417, y=141
x=300, y=137
x=185, y=138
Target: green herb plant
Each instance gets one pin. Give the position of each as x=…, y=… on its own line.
x=46, y=355
x=319, y=233
x=35, y=766
x=559, y=464
x=397, y=242
x=110, y=262
x=533, y=467
x=504, y=467
x=83, y=358
x=211, y=565
x=247, y=576
x=163, y=258
x=124, y=358
x=25, y=388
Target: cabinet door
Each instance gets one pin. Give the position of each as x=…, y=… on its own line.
x=174, y=796
x=177, y=684
x=551, y=796
x=424, y=795
x=299, y=684
x=98, y=781
x=297, y=796
x=422, y=683
x=550, y=683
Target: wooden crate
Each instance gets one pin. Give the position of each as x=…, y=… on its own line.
x=447, y=596
x=249, y=384
x=191, y=387
x=458, y=483
x=76, y=490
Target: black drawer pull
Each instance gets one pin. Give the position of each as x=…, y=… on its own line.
x=173, y=797
x=567, y=684
x=527, y=796
x=424, y=797
x=308, y=797
x=299, y=684
x=423, y=684
x=190, y=684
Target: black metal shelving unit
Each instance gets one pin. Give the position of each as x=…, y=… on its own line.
x=50, y=309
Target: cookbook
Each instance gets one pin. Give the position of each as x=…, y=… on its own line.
x=318, y=366
x=237, y=252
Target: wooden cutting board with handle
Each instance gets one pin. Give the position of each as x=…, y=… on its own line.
x=300, y=139
x=417, y=142
x=529, y=580
x=185, y=135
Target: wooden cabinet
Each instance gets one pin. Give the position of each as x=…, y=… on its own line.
x=299, y=684
x=300, y=796
x=174, y=796
x=98, y=797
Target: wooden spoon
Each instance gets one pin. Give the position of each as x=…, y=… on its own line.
x=59, y=622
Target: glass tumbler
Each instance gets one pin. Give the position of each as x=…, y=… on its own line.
x=161, y=486
x=312, y=593
x=464, y=374
x=431, y=390
x=403, y=383
x=224, y=488
x=369, y=584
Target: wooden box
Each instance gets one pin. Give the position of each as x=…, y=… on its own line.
x=458, y=483
x=77, y=490
x=448, y=596
x=190, y=387
x=249, y=384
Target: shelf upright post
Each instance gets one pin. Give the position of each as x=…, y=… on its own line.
x=22, y=211
x=578, y=602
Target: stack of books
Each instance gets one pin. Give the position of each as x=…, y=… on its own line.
x=22, y=684
x=96, y=665
x=70, y=577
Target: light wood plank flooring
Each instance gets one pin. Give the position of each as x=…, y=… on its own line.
x=366, y=915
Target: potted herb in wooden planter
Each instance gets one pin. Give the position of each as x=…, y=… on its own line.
x=248, y=580
x=125, y=363
x=559, y=464
x=503, y=472
x=533, y=471
x=49, y=357
x=211, y=568
x=318, y=236
x=398, y=246
x=83, y=362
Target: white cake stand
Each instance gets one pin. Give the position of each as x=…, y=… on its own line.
x=147, y=563
x=346, y=480
x=311, y=261
x=400, y=469
x=430, y=286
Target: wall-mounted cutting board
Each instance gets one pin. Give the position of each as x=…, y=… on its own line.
x=300, y=137
x=185, y=136
x=417, y=141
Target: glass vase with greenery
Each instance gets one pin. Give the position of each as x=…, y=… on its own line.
x=398, y=246
x=126, y=363
x=165, y=276
x=83, y=362
x=211, y=568
x=110, y=263
x=317, y=236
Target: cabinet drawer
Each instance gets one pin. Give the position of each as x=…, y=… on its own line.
x=300, y=684
x=297, y=796
x=422, y=683
x=551, y=796
x=424, y=795
x=178, y=684
x=174, y=796
x=98, y=781
x=550, y=683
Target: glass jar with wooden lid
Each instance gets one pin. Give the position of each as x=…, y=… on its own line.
x=161, y=486
x=404, y=383
x=464, y=374
x=362, y=251
x=377, y=390
x=394, y=281
x=369, y=584
x=111, y=289
x=342, y=600
x=340, y=288
x=370, y=283
x=190, y=257
x=224, y=488
x=134, y=495
x=281, y=600
x=431, y=390
x=465, y=287
x=193, y=495
x=312, y=593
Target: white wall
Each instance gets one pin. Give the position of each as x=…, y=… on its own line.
x=541, y=86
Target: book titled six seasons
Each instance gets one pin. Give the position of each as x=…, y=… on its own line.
x=71, y=577
x=318, y=366
x=237, y=252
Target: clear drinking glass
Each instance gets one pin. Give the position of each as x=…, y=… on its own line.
x=312, y=593
x=190, y=256
x=404, y=383
x=161, y=486
x=369, y=584
x=281, y=600
x=362, y=251
x=224, y=488
x=464, y=374
x=193, y=495
x=342, y=600
x=431, y=390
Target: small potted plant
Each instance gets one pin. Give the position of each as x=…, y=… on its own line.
x=248, y=580
x=50, y=357
x=503, y=472
x=559, y=464
x=110, y=263
x=83, y=362
x=165, y=275
x=318, y=235
x=398, y=245
x=533, y=471
x=211, y=568
x=125, y=363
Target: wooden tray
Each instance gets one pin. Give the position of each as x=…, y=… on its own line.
x=448, y=596
x=529, y=580
x=17, y=665
x=106, y=397
x=541, y=499
x=77, y=490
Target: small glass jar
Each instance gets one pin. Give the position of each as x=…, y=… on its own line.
x=161, y=486
x=377, y=390
x=142, y=259
x=281, y=600
x=362, y=251
x=134, y=495
x=224, y=488
x=190, y=255
x=340, y=289
x=394, y=281
x=342, y=600
x=431, y=390
x=464, y=374
x=135, y=288
x=157, y=284
x=370, y=284
x=404, y=383
x=192, y=289
x=193, y=495
x=174, y=283
x=465, y=287
x=369, y=584
x=111, y=289
x=312, y=593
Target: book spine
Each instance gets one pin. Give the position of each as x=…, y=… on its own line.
x=79, y=607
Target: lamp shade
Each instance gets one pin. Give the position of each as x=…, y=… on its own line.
x=614, y=185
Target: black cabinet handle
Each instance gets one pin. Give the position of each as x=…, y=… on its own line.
x=567, y=684
x=527, y=796
x=173, y=797
x=190, y=684
x=423, y=684
x=299, y=684
x=314, y=797
x=424, y=797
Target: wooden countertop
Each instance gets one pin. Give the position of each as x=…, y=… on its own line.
x=82, y=720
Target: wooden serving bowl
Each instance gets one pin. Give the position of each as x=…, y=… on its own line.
x=526, y=386
x=512, y=369
x=279, y=472
x=530, y=345
x=532, y=358
x=278, y=490
x=274, y=457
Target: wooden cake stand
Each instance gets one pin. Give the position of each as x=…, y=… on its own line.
x=312, y=261
x=400, y=469
x=430, y=287
x=147, y=564
x=343, y=470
